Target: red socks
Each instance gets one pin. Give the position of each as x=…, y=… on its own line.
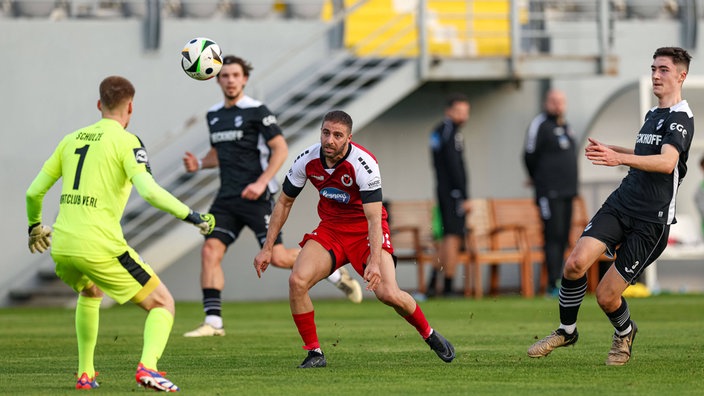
x=305, y=323
x=417, y=320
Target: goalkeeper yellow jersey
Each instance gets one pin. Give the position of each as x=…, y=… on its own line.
x=96, y=163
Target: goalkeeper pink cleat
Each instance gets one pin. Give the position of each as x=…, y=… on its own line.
x=85, y=382
x=153, y=379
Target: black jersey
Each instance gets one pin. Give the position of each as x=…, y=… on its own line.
x=239, y=135
x=550, y=156
x=651, y=196
x=447, y=147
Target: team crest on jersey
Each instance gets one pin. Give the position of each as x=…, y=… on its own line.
x=335, y=194
x=346, y=180
x=238, y=121
x=140, y=155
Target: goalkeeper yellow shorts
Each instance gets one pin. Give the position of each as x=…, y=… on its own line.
x=123, y=278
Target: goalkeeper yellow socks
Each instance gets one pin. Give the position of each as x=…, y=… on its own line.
x=156, y=334
x=87, y=322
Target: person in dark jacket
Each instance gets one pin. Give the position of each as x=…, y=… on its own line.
x=447, y=149
x=550, y=158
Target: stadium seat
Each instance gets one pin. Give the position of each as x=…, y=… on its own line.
x=34, y=8
x=255, y=9
x=199, y=8
x=135, y=8
x=95, y=9
x=305, y=9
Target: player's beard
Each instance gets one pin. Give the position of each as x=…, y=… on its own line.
x=336, y=155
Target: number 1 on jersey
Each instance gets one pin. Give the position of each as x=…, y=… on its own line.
x=81, y=157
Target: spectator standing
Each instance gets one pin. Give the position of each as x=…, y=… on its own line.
x=550, y=157
x=451, y=180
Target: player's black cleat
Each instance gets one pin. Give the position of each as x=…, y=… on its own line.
x=441, y=346
x=314, y=360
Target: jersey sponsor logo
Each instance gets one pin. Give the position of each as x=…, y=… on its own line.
x=335, y=194
x=374, y=183
x=238, y=121
x=679, y=128
x=269, y=120
x=317, y=177
x=346, y=180
x=226, y=136
x=214, y=120
x=140, y=155
x=660, y=122
x=78, y=199
x=648, y=138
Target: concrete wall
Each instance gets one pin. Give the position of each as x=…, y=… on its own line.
x=49, y=88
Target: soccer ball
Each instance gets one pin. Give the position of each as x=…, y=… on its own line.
x=201, y=58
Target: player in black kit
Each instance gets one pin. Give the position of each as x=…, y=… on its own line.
x=248, y=148
x=634, y=222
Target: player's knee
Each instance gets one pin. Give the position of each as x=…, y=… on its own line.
x=575, y=267
x=92, y=291
x=297, y=284
x=212, y=252
x=387, y=296
x=282, y=258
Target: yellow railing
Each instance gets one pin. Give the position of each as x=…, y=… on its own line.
x=458, y=28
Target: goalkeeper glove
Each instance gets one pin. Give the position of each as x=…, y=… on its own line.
x=206, y=222
x=39, y=238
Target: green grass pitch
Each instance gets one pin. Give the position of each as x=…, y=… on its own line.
x=370, y=350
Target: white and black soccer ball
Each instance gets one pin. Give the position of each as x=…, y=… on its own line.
x=201, y=58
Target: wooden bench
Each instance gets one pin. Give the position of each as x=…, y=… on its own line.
x=412, y=237
x=501, y=231
x=525, y=212
x=496, y=243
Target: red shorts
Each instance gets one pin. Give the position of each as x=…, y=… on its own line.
x=347, y=246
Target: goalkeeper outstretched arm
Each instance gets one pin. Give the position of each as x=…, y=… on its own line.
x=161, y=199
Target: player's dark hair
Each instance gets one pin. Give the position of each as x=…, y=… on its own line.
x=246, y=66
x=678, y=55
x=340, y=117
x=114, y=91
x=454, y=98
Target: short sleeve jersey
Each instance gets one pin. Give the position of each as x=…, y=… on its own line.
x=343, y=189
x=447, y=149
x=651, y=196
x=96, y=163
x=240, y=134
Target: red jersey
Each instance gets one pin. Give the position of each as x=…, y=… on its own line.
x=343, y=188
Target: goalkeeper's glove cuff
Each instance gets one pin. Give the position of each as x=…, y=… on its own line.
x=206, y=222
x=31, y=227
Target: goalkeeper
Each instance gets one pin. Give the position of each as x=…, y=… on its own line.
x=99, y=164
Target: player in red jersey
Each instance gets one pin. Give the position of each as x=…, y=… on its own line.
x=353, y=229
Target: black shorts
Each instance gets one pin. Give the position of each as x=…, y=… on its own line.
x=636, y=243
x=452, y=213
x=233, y=214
